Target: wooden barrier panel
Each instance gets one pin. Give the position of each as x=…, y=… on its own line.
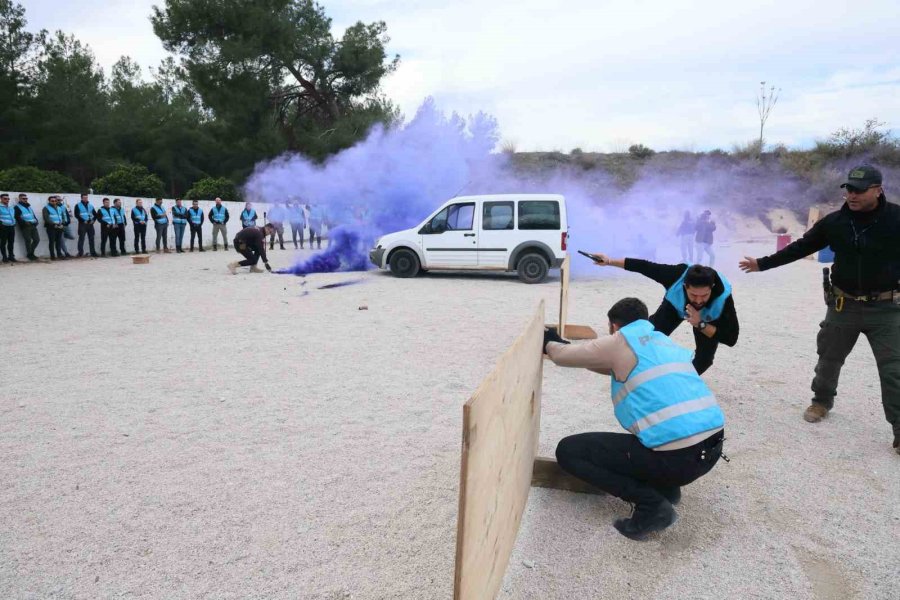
x=812, y=219
x=548, y=474
x=563, y=296
x=501, y=425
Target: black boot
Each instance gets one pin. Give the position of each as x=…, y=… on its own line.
x=201, y=248
x=672, y=494
x=646, y=520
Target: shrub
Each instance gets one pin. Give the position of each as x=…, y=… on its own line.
x=31, y=179
x=640, y=151
x=129, y=180
x=210, y=187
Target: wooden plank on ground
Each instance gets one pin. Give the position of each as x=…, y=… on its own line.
x=501, y=425
x=580, y=332
x=547, y=474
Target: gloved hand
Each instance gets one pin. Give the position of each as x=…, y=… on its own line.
x=268, y=267
x=550, y=335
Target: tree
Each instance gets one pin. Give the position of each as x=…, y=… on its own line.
x=764, y=105
x=640, y=151
x=276, y=61
x=31, y=179
x=210, y=188
x=129, y=180
x=18, y=66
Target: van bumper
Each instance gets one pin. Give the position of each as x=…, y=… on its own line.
x=376, y=255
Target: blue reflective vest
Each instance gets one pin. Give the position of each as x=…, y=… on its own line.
x=7, y=215
x=55, y=214
x=677, y=297
x=159, y=214
x=248, y=218
x=27, y=214
x=218, y=214
x=138, y=215
x=85, y=211
x=663, y=399
x=196, y=215
x=119, y=215
x=179, y=215
x=106, y=215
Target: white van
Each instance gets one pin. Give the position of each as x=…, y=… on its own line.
x=509, y=232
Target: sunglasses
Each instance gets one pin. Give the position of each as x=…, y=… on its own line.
x=855, y=190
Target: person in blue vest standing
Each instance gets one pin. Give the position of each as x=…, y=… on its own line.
x=67, y=220
x=298, y=222
x=121, y=222
x=53, y=223
x=248, y=216
x=695, y=294
x=676, y=429
x=179, y=222
x=7, y=230
x=218, y=216
x=139, y=219
x=161, y=223
x=106, y=216
x=28, y=226
x=195, y=216
x=316, y=218
x=85, y=214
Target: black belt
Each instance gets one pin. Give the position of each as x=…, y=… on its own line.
x=870, y=297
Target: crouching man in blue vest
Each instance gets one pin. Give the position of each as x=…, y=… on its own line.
x=695, y=294
x=675, y=425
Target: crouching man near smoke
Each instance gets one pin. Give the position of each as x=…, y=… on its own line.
x=676, y=426
x=251, y=243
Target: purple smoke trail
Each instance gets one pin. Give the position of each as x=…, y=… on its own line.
x=345, y=252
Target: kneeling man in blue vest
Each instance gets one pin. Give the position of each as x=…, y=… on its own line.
x=675, y=425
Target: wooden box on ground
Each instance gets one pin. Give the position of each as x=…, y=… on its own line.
x=140, y=259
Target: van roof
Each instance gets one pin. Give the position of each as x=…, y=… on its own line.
x=495, y=197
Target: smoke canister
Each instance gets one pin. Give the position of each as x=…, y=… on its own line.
x=783, y=240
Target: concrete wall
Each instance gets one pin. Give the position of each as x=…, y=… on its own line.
x=38, y=201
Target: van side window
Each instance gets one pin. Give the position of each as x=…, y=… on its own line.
x=539, y=214
x=497, y=215
x=460, y=217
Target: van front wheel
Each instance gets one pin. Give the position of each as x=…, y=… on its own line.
x=533, y=268
x=404, y=263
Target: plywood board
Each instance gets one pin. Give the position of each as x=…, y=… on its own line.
x=501, y=424
x=563, y=295
x=547, y=474
x=580, y=332
x=812, y=219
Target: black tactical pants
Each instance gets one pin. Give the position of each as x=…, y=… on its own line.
x=251, y=255
x=197, y=231
x=297, y=228
x=7, y=241
x=140, y=237
x=120, y=235
x=838, y=333
x=619, y=464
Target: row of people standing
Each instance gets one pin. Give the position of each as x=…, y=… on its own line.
x=696, y=237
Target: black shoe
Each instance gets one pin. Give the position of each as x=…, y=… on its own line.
x=192, y=249
x=672, y=494
x=95, y=255
x=79, y=255
x=645, y=521
x=5, y=260
x=215, y=248
x=282, y=246
x=114, y=254
x=201, y=249
x=12, y=259
x=226, y=246
x=32, y=258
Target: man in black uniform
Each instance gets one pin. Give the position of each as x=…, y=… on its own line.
x=121, y=222
x=106, y=216
x=251, y=243
x=139, y=220
x=694, y=293
x=195, y=220
x=85, y=215
x=28, y=226
x=864, y=291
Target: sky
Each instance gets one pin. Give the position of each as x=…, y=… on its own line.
x=599, y=75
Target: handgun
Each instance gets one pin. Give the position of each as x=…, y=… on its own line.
x=593, y=257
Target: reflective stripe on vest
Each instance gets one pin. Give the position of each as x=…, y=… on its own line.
x=662, y=401
x=106, y=215
x=7, y=216
x=138, y=215
x=196, y=217
x=712, y=311
x=85, y=211
x=119, y=215
x=218, y=214
x=159, y=214
x=54, y=214
x=27, y=214
x=179, y=215
x=248, y=218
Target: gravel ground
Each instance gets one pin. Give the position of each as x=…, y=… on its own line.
x=172, y=431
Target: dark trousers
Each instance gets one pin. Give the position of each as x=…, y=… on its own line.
x=108, y=234
x=7, y=241
x=297, y=228
x=251, y=255
x=86, y=229
x=838, y=333
x=313, y=235
x=120, y=235
x=619, y=464
x=140, y=237
x=197, y=230
x=54, y=242
x=162, y=234
x=32, y=239
x=279, y=229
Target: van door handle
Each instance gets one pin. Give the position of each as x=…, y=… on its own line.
x=468, y=235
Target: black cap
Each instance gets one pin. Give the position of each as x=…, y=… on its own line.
x=863, y=177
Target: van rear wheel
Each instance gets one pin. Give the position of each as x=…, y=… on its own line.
x=404, y=263
x=533, y=268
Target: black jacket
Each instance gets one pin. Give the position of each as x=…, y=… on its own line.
x=667, y=318
x=866, y=248
x=253, y=238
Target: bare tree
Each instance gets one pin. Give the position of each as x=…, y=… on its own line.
x=765, y=102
